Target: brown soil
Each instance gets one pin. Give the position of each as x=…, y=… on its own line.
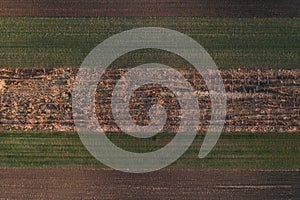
x=163, y=184
x=258, y=100
x=145, y=8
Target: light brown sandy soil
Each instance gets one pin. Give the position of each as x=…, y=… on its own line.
x=257, y=100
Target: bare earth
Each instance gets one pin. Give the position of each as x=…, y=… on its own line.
x=163, y=184
x=146, y=8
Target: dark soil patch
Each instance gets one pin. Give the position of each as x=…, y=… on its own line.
x=146, y=8
x=163, y=184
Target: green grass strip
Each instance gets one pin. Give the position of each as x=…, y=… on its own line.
x=233, y=43
x=233, y=151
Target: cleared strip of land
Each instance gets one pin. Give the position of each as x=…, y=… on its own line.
x=164, y=184
x=257, y=100
x=146, y=8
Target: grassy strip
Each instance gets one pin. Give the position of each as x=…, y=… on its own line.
x=233, y=151
x=65, y=42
